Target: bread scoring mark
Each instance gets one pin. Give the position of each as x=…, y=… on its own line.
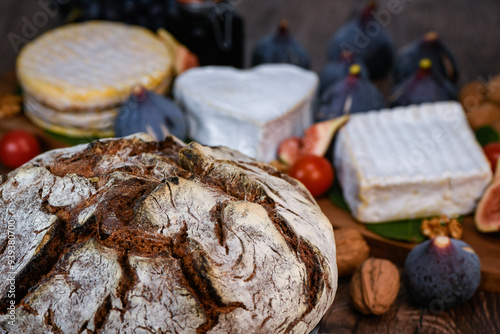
x=49, y=321
x=114, y=222
x=101, y=314
x=243, y=187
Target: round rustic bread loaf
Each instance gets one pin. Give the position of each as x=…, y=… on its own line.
x=135, y=236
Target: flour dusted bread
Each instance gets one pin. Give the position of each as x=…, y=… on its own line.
x=135, y=236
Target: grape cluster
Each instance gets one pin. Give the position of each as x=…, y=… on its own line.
x=151, y=14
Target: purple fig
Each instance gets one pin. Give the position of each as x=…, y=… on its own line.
x=442, y=273
x=280, y=47
x=146, y=111
x=350, y=95
x=338, y=68
x=424, y=86
x=429, y=46
x=365, y=36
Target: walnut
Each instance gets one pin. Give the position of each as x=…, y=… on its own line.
x=442, y=225
x=10, y=105
x=352, y=250
x=375, y=286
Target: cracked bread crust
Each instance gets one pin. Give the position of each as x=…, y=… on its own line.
x=131, y=235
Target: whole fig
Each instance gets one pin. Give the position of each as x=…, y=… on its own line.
x=429, y=46
x=280, y=47
x=350, y=95
x=338, y=68
x=423, y=86
x=365, y=36
x=442, y=273
x=146, y=111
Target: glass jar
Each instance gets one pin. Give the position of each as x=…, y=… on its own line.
x=212, y=29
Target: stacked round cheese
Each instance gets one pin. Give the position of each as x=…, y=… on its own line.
x=76, y=77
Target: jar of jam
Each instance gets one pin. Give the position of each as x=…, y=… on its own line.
x=212, y=29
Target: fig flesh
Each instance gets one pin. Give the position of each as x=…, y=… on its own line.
x=365, y=36
x=424, y=86
x=442, y=273
x=280, y=47
x=338, y=68
x=429, y=46
x=351, y=95
x=487, y=215
x=316, y=141
x=146, y=111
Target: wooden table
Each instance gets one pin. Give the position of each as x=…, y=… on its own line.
x=468, y=28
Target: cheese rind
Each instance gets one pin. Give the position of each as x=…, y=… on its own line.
x=251, y=110
x=410, y=162
x=92, y=64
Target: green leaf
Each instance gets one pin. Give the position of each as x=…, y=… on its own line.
x=336, y=197
x=72, y=141
x=404, y=230
x=486, y=134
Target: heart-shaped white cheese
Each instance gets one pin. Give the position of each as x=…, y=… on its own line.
x=247, y=110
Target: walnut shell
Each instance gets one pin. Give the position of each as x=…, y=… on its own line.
x=352, y=250
x=375, y=286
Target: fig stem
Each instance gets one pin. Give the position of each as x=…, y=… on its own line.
x=366, y=14
x=441, y=241
x=283, y=28
x=139, y=92
x=355, y=69
x=431, y=36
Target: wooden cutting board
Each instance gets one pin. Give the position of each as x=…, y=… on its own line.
x=487, y=246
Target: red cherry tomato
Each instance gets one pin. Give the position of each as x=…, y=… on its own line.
x=316, y=173
x=492, y=151
x=18, y=147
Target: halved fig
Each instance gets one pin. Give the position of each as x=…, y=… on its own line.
x=316, y=140
x=487, y=216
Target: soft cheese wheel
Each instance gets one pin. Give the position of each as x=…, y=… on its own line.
x=89, y=69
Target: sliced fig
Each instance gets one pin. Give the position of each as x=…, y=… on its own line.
x=289, y=150
x=316, y=140
x=487, y=216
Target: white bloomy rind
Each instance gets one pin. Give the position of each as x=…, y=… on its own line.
x=410, y=162
x=252, y=111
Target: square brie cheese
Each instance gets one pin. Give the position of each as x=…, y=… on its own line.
x=410, y=162
x=251, y=111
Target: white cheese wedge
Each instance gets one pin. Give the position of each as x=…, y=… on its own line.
x=410, y=162
x=251, y=111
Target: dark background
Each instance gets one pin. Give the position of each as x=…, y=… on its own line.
x=469, y=28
